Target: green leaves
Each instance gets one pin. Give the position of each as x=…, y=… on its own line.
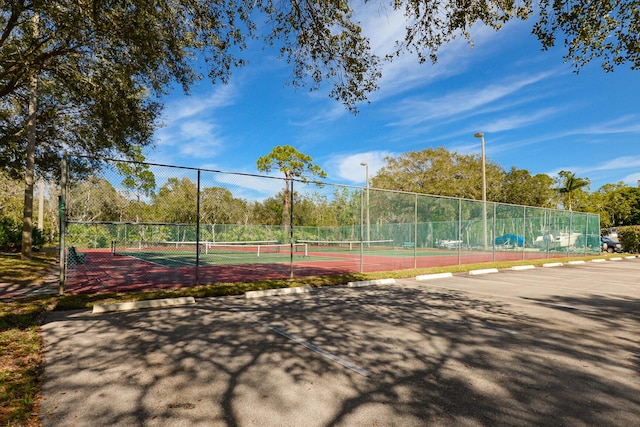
x=569, y=185
x=291, y=162
x=607, y=30
x=439, y=172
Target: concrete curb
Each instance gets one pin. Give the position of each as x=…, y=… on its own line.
x=575, y=262
x=483, y=271
x=371, y=282
x=599, y=260
x=276, y=292
x=434, y=276
x=522, y=267
x=553, y=264
x=135, y=305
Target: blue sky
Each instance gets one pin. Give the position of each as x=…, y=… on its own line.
x=536, y=112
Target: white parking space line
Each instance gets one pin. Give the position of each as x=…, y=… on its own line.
x=306, y=344
x=552, y=304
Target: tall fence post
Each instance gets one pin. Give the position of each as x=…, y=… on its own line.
x=459, y=229
x=493, y=244
x=198, y=231
x=547, y=214
x=62, y=222
x=291, y=229
x=586, y=235
x=362, y=231
x=415, y=233
x=570, y=248
x=524, y=230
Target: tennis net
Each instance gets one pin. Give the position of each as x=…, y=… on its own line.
x=231, y=249
x=350, y=245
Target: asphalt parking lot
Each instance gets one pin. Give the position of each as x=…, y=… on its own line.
x=546, y=346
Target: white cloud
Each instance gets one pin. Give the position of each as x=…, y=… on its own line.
x=196, y=129
x=194, y=106
x=334, y=111
x=417, y=110
x=190, y=125
x=625, y=124
x=385, y=27
x=349, y=168
x=618, y=164
x=624, y=162
x=250, y=187
x=632, y=179
x=516, y=121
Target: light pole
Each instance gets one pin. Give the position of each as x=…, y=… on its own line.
x=484, y=191
x=366, y=174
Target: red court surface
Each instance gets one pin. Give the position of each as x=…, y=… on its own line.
x=104, y=272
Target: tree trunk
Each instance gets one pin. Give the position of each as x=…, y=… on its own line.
x=27, y=216
x=286, y=217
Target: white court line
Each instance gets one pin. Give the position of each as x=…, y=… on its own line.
x=306, y=344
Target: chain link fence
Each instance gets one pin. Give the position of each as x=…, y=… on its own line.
x=135, y=226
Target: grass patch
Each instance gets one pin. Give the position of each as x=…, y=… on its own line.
x=23, y=272
x=21, y=359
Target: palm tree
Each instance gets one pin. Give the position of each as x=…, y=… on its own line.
x=293, y=164
x=569, y=183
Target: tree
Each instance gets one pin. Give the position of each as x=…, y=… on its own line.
x=176, y=201
x=94, y=65
x=138, y=178
x=322, y=40
x=569, y=185
x=55, y=61
x=617, y=204
x=293, y=164
x=520, y=188
x=94, y=199
x=10, y=207
x=439, y=172
x=218, y=206
x=604, y=29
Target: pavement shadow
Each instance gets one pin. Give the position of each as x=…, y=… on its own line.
x=435, y=357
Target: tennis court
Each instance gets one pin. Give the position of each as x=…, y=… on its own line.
x=130, y=266
x=176, y=254
x=180, y=254
x=200, y=226
x=547, y=346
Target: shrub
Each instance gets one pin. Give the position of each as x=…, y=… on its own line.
x=629, y=238
x=37, y=238
x=11, y=236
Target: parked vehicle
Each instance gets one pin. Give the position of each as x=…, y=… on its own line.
x=607, y=244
